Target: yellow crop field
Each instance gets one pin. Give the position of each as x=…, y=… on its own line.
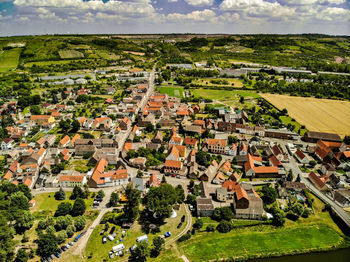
x=323, y=115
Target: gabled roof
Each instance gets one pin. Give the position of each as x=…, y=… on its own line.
x=300, y=154
x=316, y=180
x=173, y=163
x=64, y=140
x=216, y=142
x=153, y=180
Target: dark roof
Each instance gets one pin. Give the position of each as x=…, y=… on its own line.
x=323, y=136
x=204, y=204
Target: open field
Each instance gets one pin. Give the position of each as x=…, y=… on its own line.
x=70, y=54
x=171, y=91
x=9, y=59
x=262, y=241
x=207, y=82
x=322, y=115
x=222, y=94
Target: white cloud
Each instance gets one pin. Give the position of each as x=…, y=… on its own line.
x=199, y=16
x=199, y=2
x=258, y=8
x=312, y=2
x=334, y=13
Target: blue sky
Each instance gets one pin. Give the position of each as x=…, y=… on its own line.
x=23, y=17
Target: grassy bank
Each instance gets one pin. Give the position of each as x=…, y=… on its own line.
x=263, y=241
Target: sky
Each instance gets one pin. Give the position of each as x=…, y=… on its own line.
x=28, y=17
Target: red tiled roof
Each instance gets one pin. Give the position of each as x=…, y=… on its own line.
x=190, y=141
x=316, y=180
x=64, y=140
x=70, y=178
x=173, y=163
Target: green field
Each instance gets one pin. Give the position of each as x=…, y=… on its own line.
x=45, y=63
x=171, y=91
x=64, y=54
x=9, y=59
x=222, y=94
x=260, y=242
x=288, y=120
x=231, y=82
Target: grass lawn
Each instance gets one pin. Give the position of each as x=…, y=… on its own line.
x=222, y=94
x=46, y=203
x=9, y=59
x=171, y=91
x=79, y=165
x=288, y=120
x=100, y=251
x=260, y=241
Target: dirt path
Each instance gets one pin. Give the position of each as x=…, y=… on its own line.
x=185, y=258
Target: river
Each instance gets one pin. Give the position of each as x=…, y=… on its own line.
x=340, y=255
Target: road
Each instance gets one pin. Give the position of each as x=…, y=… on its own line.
x=335, y=207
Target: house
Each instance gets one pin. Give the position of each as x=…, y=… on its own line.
x=172, y=167
x=125, y=123
x=102, y=123
x=137, y=183
x=210, y=173
x=251, y=209
x=175, y=140
x=301, y=157
x=253, y=168
x=190, y=142
x=217, y=146
x=72, y=181
x=41, y=119
x=219, y=178
x=64, y=142
x=158, y=138
x=342, y=197
x=312, y=136
x=100, y=178
x=317, y=181
x=295, y=186
x=7, y=143
x=226, y=167
x=153, y=181
x=205, y=207
x=139, y=162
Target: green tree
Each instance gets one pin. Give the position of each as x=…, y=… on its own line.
x=224, y=226
x=161, y=200
x=113, y=201
x=290, y=175
x=158, y=244
x=80, y=223
x=22, y=255
x=232, y=140
x=26, y=190
x=77, y=192
x=223, y=213
x=70, y=230
x=312, y=163
x=191, y=199
x=278, y=219
x=163, y=179
x=141, y=252
x=24, y=221
x=149, y=128
x=50, y=230
x=6, y=240
x=180, y=194
x=210, y=228
x=298, y=209
x=19, y=201
x=269, y=194
x=35, y=110
x=60, y=194
x=75, y=126
x=61, y=236
x=131, y=208
x=100, y=194
x=198, y=224
x=47, y=245
x=79, y=207
x=63, y=222
x=63, y=209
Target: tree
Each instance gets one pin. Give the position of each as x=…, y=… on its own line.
x=269, y=194
x=60, y=194
x=210, y=228
x=290, y=175
x=149, y=128
x=35, y=110
x=346, y=140
x=131, y=208
x=113, y=201
x=139, y=174
x=198, y=224
x=24, y=221
x=61, y=236
x=47, y=245
x=223, y=213
x=224, y=226
x=278, y=218
x=50, y=230
x=191, y=199
x=298, y=209
x=75, y=126
x=158, y=244
x=79, y=207
x=141, y=252
x=161, y=200
x=6, y=240
x=70, y=230
x=163, y=180
x=63, y=222
x=22, y=255
x=77, y=192
x=63, y=209
x=312, y=163
x=180, y=194
x=80, y=223
x=100, y=194
x=26, y=190
x=232, y=140
x=65, y=125
x=19, y=201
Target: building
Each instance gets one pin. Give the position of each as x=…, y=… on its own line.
x=342, y=197
x=205, y=207
x=253, y=168
x=172, y=167
x=317, y=181
x=301, y=157
x=72, y=180
x=313, y=136
x=217, y=146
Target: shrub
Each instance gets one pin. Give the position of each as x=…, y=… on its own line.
x=185, y=237
x=210, y=228
x=224, y=226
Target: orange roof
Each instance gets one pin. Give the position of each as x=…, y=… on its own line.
x=190, y=141
x=235, y=175
x=174, y=151
x=241, y=193
x=41, y=151
x=8, y=175
x=98, y=171
x=173, y=163
x=40, y=141
x=316, y=180
x=183, y=112
x=274, y=161
x=226, y=166
x=176, y=139
x=82, y=119
x=266, y=169
x=55, y=114
x=155, y=104
x=41, y=117
x=230, y=185
x=30, y=150
x=127, y=146
x=75, y=137
x=332, y=145
x=65, y=151
x=346, y=154
x=64, y=140
x=69, y=178
x=134, y=129
x=153, y=180
x=199, y=123
x=27, y=182
x=24, y=144
x=109, y=100
x=300, y=154
x=213, y=142
x=220, y=176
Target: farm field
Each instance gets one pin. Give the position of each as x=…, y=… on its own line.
x=222, y=94
x=207, y=82
x=321, y=115
x=9, y=59
x=70, y=54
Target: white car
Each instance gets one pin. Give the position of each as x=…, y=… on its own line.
x=111, y=255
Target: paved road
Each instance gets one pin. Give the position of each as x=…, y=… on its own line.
x=336, y=208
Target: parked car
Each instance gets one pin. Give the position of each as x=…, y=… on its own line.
x=167, y=234
x=183, y=218
x=71, y=243
x=104, y=240
x=111, y=255
x=179, y=225
x=57, y=255
x=64, y=248
x=67, y=246
x=110, y=237
x=102, y=232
